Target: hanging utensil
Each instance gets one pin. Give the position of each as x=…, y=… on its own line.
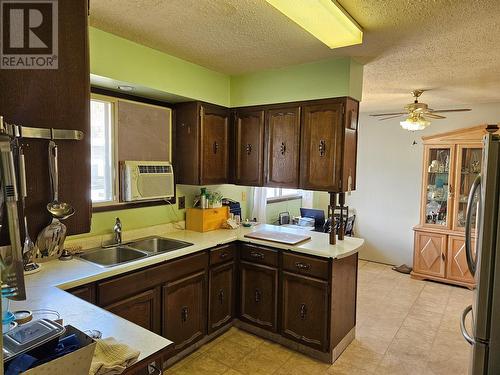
x=50, y=240
x=58, y=210
x=11, y=262
x=29, y=246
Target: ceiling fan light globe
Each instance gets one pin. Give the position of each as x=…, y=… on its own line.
x=415, y=124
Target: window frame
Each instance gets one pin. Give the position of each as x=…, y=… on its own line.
x=282, y=198
x=114, y=153
x=108, y=95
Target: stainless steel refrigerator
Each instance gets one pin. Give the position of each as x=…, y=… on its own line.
x=484, y=262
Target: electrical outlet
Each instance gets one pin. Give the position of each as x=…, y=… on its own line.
x=181, y=203
x=243, y=196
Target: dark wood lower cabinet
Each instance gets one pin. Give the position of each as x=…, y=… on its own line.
x=305, y=310
x=184, y=310
x=221, y=296
x=258, y=295
x=86, y=292
x=294, y=297
x=142, y=309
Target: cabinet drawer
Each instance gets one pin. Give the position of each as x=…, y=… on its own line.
x=222, y=254
x=259, y=254
x=306, y=265
x=117, y=288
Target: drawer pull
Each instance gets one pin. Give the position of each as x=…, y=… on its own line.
x=303, y=311
x=256, y=255
x=223, y=255
x=184, y=314
x=221, y=296
x=258, y=295
x=153, y=370
x=303, y=266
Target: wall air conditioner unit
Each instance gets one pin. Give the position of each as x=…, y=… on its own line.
x=147, y=180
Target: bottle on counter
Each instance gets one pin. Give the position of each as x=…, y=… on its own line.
x=203, y=198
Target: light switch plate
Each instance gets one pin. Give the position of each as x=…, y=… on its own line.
x=243, y=196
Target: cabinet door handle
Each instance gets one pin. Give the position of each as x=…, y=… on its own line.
x=282, y=148
x=184, y=314
x=256, y=255
x=248, y=149
x=303, y=311
x=221, y=296
x=258, y=296
x=303, y=266
x=443, y=257
x=216, y=147
x=322, y=147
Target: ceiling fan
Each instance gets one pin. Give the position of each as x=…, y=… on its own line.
x=417, y=114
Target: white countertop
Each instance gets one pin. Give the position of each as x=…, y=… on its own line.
x=45, y=289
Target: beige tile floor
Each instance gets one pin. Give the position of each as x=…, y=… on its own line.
x=404, y=326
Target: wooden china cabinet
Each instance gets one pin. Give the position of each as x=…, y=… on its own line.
x=451, y=162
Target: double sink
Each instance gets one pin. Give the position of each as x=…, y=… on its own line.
x=128, y=252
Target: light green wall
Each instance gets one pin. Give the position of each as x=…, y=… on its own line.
x=102, y=222
x=317, y=80
x=123, y=60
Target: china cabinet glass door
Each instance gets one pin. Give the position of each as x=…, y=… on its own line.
x=468, y=167
x=437, y=178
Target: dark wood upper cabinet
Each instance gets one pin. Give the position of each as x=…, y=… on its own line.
x=329, y=142
x=249, y=147
x=283, y=147
x=202, y=144
x=55, y=98
x=258, y=295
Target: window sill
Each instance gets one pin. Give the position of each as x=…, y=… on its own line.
x=283, y=199
x=115, y=206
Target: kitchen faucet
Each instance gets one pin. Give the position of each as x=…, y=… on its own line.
x=118, y=231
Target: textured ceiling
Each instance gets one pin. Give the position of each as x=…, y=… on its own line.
x=448, y=46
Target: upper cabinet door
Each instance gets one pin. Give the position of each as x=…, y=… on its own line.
x=249, y=147
x=438, y=190
x=282, y=156
x=214, y=130
x=321, y=151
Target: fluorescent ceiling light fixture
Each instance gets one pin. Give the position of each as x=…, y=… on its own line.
x=324, y=19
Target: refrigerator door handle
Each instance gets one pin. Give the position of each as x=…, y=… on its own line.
x=466, y=334
x=471, y=262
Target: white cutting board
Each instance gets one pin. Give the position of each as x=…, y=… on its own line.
x=282, y=237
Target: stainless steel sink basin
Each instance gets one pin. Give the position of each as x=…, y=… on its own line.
x=113, y=256
x=155, y=245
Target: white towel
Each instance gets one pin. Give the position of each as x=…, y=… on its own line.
x=112, y=357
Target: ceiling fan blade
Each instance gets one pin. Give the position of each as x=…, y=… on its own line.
x=387, y=118
x=432, y=115
x=450, y=110
x=389, y=114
